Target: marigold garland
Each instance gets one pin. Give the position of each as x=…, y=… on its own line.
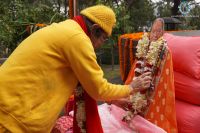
x=124, y=66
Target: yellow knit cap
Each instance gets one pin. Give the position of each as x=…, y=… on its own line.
x=101, y=15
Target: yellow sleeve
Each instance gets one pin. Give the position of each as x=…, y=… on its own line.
x=82, y=59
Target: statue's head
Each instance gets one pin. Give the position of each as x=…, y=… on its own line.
x=157, y=29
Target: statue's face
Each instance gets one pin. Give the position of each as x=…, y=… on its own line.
x=156, y=31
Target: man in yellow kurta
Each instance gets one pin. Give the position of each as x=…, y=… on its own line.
x=41, y=74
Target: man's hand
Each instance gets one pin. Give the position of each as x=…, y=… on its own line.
x=140, y=83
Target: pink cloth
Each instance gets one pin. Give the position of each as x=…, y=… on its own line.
x=64, y=124
x=111, y=119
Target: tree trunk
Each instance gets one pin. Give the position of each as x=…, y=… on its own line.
x=175, y=7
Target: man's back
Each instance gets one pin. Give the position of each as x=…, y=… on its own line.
x=36, y=80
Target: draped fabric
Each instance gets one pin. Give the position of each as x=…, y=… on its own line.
x=161, y=110
x=112, y=122
x=3, y=129
x=93, y=123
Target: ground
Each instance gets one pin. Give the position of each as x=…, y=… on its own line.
x=112, y=74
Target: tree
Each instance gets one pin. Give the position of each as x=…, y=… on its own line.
x=141, y=14
x=192, y=21
x=16, y=15
x=175, y=8
x=164, y=9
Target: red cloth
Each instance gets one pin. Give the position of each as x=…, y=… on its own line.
x=187, y=88
x=186, y=54
x=93, y=123
x=81, y=22
x=188, y=117
x=69, y=106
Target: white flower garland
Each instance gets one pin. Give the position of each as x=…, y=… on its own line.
x=80, y=112
x=147, y=58
x=154, y=51
x=142, y=46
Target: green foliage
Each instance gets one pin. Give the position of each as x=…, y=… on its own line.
x=141, y=14
x=16, y=15
x=164, y=8
x=189, y=21
x=112, y=74
x=193, y=21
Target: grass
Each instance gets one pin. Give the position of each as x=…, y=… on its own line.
x=112, y=74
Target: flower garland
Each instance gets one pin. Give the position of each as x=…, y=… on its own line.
x=142, y=46
x=81, y=114
x=138, y=102
x=148, y=60
x=154, y=51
